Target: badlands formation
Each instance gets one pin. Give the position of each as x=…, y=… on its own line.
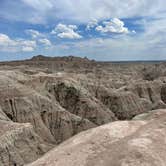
x=70, y=111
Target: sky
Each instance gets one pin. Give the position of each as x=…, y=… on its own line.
x=105, y=30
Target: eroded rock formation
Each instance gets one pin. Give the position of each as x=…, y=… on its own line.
x=129, y=143
x=19, y=144
x=45, y=101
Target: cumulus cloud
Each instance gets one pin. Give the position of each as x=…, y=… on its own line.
x=27, y=49
x=5, y=40
x=27, y=45
x=10, y=45
x=66, y=31
x=38, y=37
x=92, y=24
x=45, y=42
x=43, y=11
x=149, y=38
x=40, y=5
x=115, y=25
x=33, y=33
x=149, y=44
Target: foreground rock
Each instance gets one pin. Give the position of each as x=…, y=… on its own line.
x=121, y=143
x=19, y=144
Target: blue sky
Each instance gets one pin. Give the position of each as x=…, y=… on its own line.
x=99, y=29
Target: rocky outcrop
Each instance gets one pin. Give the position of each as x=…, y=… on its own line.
x=131, y=143
x=55, y=63
x=3, y=116
x=50, y=121
x=124, y=104
x=77, y=101
x=23, y=103
x=19, y=144
x=148, y=90
x=154, y=114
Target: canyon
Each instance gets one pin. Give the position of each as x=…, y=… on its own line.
x=68, y=111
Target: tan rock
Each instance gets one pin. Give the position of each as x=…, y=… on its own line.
x=19, y=144
x=122, y=143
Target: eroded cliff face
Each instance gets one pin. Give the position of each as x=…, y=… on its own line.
x=19, y=144
x=44, y=108
x=79, y=102
x=131, y=143
x=48, y=121
x=53, y=123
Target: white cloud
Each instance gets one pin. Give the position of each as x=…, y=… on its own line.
x=41, y=5
x=113, y=26
x=149, y=44
x=66, y=31
x=123, y=48
x=92, y=24
x=27, y=49
x=38, y=37
x=45, y=42
x=148, y=40
x=33, y=33
x=5, y=40
x=27, y=45
x=10, y=45
x=43, y=11
x=79, y=11
x=133, y=31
